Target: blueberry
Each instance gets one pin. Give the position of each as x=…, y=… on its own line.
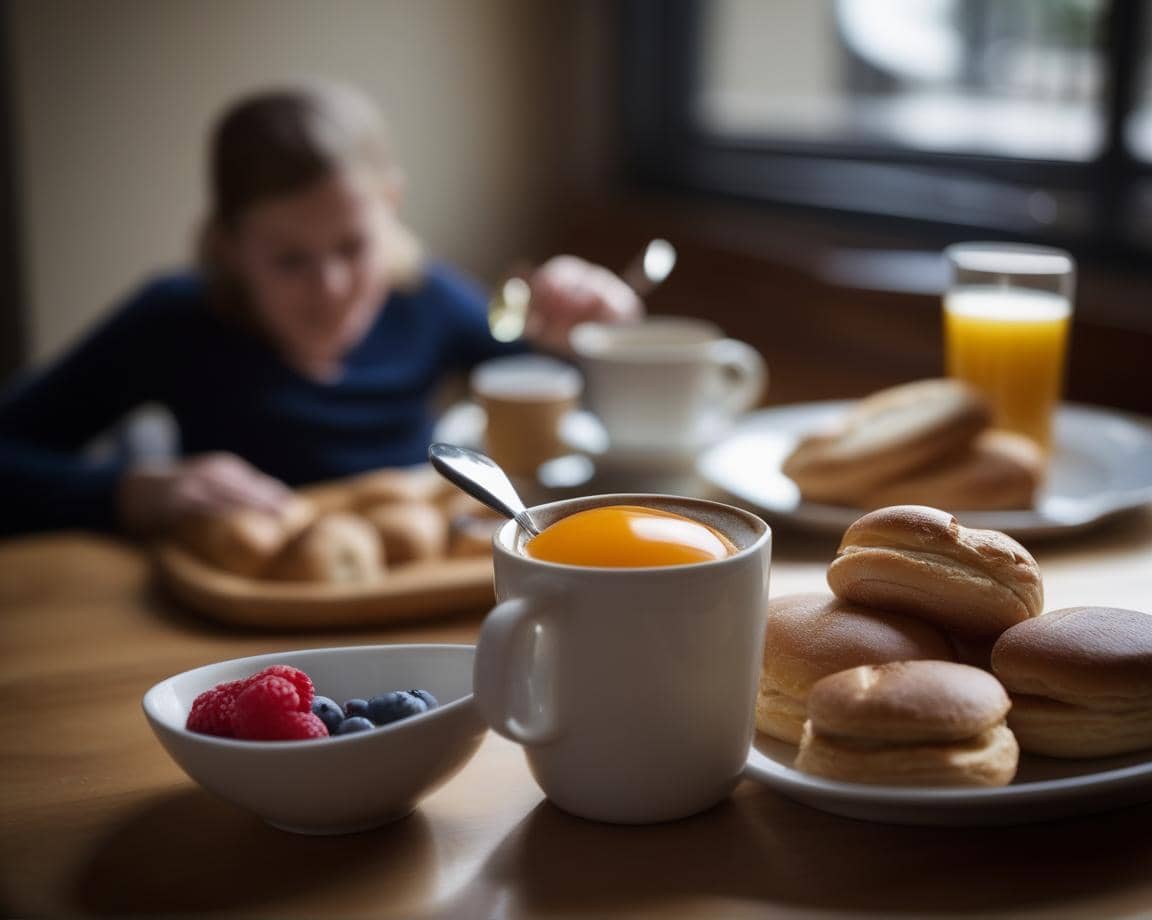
x=429, y=700
x=390, y=707
x=330, y=713
x=354, y=724
x=356, y=707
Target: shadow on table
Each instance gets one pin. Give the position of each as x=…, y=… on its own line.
x=192, y=853
x=762, y=852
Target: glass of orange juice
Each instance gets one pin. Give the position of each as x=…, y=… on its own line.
x=1007, y=313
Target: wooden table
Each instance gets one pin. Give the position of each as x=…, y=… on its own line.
x=95, y=819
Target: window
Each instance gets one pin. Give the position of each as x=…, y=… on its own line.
x=1018, y=118
x=1139, y=120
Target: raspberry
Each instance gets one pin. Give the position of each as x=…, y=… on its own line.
x=212, y=710
x=298, y=726
x=272, y=705
x=261, y=707
x=278, y=725
x=301, y=681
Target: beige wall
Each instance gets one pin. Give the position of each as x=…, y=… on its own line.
x=113, y=99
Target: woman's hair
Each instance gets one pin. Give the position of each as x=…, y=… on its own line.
x=282, y=141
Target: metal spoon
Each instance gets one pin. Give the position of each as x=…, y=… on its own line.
x=508, y=309
x=650, y=267
x=481, y=478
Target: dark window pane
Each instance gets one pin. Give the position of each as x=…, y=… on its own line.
x=1009, y=78
x=1139, y=127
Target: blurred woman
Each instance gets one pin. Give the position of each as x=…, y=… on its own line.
x=305, y=347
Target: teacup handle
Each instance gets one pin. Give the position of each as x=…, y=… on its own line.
x=746, y=375
x=499, y=673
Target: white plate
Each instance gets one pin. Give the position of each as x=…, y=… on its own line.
x=1101, y=465
x=1044, y=789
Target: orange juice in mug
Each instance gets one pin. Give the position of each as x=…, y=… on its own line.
x=1006, y=325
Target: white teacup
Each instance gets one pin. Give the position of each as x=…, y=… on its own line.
x=633, y=690
x=667, y=383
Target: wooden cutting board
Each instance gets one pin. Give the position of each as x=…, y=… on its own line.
x=415, y=591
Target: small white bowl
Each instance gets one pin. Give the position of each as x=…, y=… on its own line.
x=333, y=785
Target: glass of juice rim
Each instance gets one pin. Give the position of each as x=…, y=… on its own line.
x=1021, y=263
x=1007, y=313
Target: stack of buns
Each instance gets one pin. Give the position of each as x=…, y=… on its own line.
x=929, y=442
x=910, y=585
x=809, y=636
x=909, y=723
x=350, y=532
x=877, y=683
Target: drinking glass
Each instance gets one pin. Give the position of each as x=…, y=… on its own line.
x=1007, y=312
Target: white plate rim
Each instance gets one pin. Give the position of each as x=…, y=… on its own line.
x=762, y=768
x=831, y=518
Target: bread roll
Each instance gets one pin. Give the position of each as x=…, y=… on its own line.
x=409, y=531
x=410, y=484
x=987, y=759
x=908, y=702
x=999, y=470
x=886, y=436
x=809, y=636
x=920, y=561
x=338, y=548
x=244, y=541
x=1081, y=681
x=1046, y=726
x=924, y=723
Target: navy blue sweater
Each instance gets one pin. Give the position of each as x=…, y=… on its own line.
x=229, y=391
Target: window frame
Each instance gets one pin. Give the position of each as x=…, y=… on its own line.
x=983, y=195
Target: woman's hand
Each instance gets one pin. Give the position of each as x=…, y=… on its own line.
x=567, y=290
x=154, y=497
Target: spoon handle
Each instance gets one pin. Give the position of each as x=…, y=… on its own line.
x=481, y=478
x=508, y=308
x=650, y=267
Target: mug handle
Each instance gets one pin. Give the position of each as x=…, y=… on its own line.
x=746, y=375
x=497, y=674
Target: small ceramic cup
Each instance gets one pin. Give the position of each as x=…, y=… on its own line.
x=668, y=383
x=525, y=398
x=632, y=690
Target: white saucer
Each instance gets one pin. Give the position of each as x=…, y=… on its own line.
x=1044, y=789
x=463, y=424
x=1101, y=465
x=608, y=467
x=589, y=437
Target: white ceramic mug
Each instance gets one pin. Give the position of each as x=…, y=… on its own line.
x=670, y=383
x=633, y=690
